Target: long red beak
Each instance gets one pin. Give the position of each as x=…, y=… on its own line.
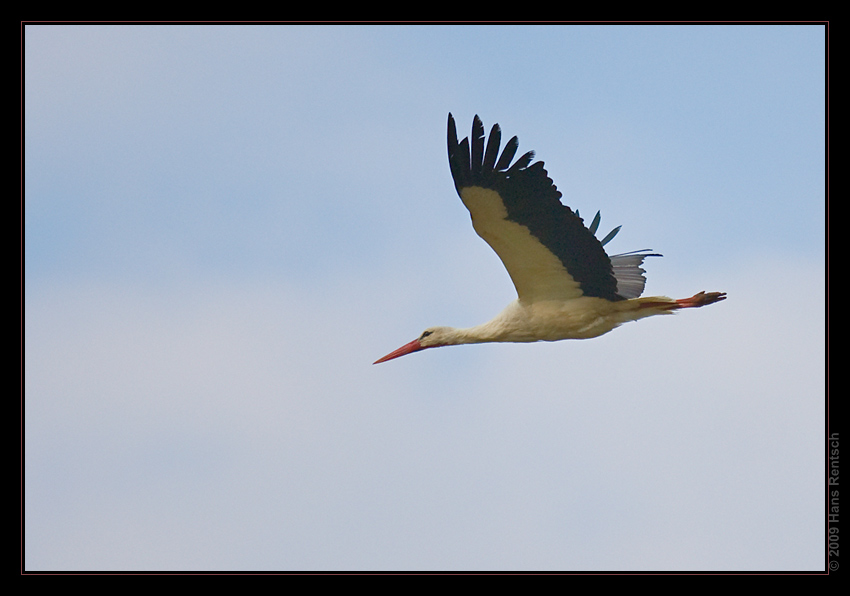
x=413, y=346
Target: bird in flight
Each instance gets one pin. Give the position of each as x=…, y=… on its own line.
x=567, y=286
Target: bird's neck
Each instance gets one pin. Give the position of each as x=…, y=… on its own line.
x=505, y=327
x=476, y=335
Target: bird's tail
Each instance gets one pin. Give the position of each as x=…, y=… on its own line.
x=629, y=273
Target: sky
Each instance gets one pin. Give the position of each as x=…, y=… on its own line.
x=226, y=225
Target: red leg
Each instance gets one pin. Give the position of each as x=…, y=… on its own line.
x=694, y=301
x=701, y=299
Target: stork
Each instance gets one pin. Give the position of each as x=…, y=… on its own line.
x=567, y=286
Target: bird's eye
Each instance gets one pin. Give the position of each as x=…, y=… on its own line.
x=425, y=334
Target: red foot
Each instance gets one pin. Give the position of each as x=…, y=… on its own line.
x=701, y=299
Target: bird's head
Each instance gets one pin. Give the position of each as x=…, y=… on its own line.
x=433, y=337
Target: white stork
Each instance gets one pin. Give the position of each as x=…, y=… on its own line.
x=567, y=286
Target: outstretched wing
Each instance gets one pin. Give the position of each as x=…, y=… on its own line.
x=516, y=209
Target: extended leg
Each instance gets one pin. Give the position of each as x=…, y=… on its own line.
x=701, y=299
x=666, y=304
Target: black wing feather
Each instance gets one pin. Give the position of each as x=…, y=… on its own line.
x=492, y=148
x=507, y=155
x=477, y=147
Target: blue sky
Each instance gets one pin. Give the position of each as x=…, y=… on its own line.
x=225, y=226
